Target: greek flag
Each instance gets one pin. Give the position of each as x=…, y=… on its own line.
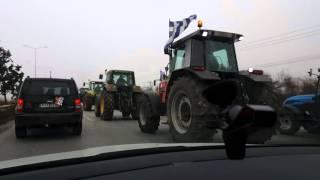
x=177, y=27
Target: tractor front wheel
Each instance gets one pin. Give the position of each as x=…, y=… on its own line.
x=147, y=120
x=288, y=123
x=87, y=103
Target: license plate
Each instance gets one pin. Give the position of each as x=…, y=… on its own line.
x=46, y=105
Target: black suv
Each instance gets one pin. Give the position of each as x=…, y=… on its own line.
x=44, y=102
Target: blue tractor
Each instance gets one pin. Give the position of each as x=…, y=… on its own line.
x=301, y=110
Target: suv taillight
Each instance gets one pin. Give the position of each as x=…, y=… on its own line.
x=77, y=105
x=20, y=105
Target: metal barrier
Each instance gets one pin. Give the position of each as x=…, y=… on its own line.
x=6, y=113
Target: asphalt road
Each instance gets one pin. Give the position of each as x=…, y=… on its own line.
x=101, y=133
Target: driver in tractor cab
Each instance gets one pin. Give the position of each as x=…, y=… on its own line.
x=121, y=81
x=97, y=87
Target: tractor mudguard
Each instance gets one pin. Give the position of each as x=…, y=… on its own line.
x=155, y=102
x=203, y=75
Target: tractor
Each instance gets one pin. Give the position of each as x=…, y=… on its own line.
x=118, y=93
x=203, y=91
x=301, y=110
x=89, y=95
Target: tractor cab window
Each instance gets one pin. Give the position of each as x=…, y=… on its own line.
x=97, y=87
x=122, y=79
x=177, y=60
x=220, y=56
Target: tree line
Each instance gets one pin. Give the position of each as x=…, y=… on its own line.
x=11, y=75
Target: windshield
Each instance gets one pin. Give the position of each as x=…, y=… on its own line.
x=122, y=79
x=220, y=56
x=47, y=88
x=97, y=86
x=83, y=74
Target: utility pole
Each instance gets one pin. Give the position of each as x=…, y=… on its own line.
x=35, y=56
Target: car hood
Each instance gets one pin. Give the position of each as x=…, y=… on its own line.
x=93, y=152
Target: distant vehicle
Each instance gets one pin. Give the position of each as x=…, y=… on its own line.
x=89, y=95
x=301, y=110
x=45, y=102
x=82, y=92
x=119, y=93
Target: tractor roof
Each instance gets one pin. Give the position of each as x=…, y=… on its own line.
x=210, y=34
x=121, y=71
x=96, y=82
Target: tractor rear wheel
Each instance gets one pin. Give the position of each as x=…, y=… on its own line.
x=106, y=106
x=147, y=120
x=87, y=103
x=185, y=115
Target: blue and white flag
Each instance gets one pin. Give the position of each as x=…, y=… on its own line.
x=177, y=27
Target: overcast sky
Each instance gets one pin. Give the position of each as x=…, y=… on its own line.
x=84, y=37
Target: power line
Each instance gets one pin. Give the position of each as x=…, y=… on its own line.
x=283, y=34
x=290, y=61
x=281, y=40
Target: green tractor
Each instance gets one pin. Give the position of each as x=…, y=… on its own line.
x=89, y=95
x=118, y=93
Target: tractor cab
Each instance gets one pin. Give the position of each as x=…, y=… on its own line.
x=96, y=86
x=205, y=50
x=120, y=78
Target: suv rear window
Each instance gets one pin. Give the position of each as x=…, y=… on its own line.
x=49, y=88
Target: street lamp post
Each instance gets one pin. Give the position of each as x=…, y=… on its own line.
x=35, y=56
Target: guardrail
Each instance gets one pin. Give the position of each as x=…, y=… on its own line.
x=6, y=113
x=5, y=107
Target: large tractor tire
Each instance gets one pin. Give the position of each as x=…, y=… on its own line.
x=87, y=103
x=288, y=123
x=106, y=106
x=147, y=120
x=97, y=107
x=186, y=117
